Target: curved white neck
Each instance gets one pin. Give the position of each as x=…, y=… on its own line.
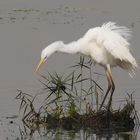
x=73, y=47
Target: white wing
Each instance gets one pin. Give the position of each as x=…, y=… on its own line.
x=121, y=52
x=117, y=50
x=116, y=43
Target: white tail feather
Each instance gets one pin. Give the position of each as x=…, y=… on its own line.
x=122, y=30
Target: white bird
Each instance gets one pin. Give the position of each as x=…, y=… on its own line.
x=107, y=45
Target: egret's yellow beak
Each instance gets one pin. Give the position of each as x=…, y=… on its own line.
x=39, y=65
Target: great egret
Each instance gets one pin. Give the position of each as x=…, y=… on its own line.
x=107, y=45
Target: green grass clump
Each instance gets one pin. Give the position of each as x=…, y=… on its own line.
x=72, y=101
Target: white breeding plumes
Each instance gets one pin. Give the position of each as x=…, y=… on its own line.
x=107, y=45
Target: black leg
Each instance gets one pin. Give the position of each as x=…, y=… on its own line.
x=109, y=87
x=112, y=88
x=112, y=91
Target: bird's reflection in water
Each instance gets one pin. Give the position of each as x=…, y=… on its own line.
x=41, y=132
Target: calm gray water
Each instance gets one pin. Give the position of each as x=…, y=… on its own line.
x=27, y=26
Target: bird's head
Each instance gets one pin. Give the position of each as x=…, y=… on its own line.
x=48, y=51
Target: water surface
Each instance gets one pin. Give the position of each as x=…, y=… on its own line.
x=26, y=27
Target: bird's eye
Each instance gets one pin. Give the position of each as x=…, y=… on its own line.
x=46, y=57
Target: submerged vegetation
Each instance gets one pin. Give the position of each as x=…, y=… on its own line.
x=73, y=101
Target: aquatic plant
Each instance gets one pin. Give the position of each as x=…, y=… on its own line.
x=72, y=101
